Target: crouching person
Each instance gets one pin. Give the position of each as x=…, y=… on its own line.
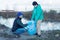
x=18, y=26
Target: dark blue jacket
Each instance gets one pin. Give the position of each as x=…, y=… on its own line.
x=18, y=24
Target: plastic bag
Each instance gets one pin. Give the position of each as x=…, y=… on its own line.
x=31, y=27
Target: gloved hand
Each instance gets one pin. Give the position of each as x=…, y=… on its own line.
x=25, y=24
x=28, y=25
x=33, y=19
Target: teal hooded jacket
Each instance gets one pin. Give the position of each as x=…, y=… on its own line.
x=37, y=13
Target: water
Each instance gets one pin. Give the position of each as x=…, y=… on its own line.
x=44, y=25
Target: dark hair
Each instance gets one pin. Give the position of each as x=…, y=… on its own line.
x=34, y=3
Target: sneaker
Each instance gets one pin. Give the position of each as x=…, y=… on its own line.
x=17, y=36
x=36, y=34
x=39, y=35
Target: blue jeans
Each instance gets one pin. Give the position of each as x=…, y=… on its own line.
x=20, y=31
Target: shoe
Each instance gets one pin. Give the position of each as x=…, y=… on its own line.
x=17, y=35
x=36, y=34
x=39, y=35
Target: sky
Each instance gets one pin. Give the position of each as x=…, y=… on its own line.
x=26, y=5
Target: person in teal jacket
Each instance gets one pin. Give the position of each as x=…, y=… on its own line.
x=37, y=16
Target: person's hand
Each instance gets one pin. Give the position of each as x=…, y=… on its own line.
x=31, y=19
x=25, y=24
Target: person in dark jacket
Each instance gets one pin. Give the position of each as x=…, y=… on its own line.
x=18, y=26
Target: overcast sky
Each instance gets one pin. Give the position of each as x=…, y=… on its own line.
x=26, y=5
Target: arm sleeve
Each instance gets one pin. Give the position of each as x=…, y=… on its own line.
x=20, y=23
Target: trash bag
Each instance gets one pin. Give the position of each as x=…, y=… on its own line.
x=31, y=28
